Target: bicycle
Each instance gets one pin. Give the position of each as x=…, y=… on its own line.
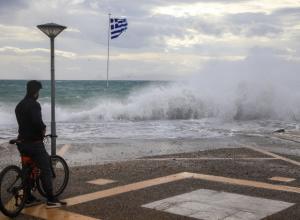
x=16, y=183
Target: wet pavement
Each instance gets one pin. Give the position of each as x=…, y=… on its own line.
x=168, y=179
x=111, y=150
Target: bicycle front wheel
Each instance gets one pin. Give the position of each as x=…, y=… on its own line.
x=13, y=195
x=60, y=176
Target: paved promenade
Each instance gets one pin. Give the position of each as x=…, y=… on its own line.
x=233, y=183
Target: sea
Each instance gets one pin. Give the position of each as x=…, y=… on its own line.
x=87, y=111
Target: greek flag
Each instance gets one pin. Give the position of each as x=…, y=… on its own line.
x=117, y=26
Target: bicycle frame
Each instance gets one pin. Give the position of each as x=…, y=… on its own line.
x=28, y=162
x=30, y=172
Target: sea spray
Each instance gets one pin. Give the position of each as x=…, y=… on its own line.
x=183, y=101
x=204, y=107
x=227, y=98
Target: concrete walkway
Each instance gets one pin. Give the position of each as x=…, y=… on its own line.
x=238, y=183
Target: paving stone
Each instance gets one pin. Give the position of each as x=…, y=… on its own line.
x=210, y=204
x=212, y=213
x=242, y=215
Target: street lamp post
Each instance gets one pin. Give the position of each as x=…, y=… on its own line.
x=52, y=30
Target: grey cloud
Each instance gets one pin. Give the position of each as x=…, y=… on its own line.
x=288, y=11
x=142, y=32
x=117, y=8
x=146, y=33
x=15, y=4
x=261, y=24
x=255, y=24
x=9, y=8
x=250, y=18
x=263, y=30
x=265, y=51
x=206, y=26
x=136, y=8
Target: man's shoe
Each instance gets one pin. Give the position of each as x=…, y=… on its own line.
x=31, y=201
x=55, y=203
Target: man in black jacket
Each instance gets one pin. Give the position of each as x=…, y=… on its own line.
x=31, y=134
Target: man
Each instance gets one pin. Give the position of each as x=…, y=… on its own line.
x=31, y=134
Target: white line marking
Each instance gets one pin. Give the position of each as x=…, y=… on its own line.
x=126, y=188
x=210, y=158
x=282, y=179
x=101, y=181
x=250, y=183
x=274, y=155
x=176, y=177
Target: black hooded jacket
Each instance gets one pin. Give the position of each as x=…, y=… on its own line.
x=29, y=117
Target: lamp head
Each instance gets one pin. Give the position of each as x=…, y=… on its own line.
x=51, y=29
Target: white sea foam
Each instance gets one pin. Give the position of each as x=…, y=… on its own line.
x=7, y=115
x=204, y=107
x=210, y=96
x=245, y=101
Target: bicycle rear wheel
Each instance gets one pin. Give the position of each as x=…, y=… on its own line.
x=13, y=195
x=60, y=176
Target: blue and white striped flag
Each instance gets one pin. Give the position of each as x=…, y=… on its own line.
x=117, y=27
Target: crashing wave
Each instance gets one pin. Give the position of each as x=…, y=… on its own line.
x=182, y=102
x=206, y=98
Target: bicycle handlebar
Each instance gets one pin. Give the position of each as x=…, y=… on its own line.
x=13, y=141
x=50, y=135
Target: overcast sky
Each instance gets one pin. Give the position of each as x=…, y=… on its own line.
x=165, y=40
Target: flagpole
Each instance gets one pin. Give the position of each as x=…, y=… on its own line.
x=108, y=39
